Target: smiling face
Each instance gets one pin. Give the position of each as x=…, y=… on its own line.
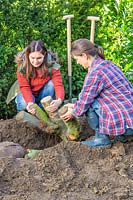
x=36, y=58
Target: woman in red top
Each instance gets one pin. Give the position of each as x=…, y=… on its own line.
x=38, y=76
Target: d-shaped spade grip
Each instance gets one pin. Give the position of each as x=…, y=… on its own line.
x=68, y=19
x=93, y=19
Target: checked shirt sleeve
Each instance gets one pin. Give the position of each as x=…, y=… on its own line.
x=93, y=85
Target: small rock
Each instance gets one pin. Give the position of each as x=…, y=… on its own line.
x=10, y=149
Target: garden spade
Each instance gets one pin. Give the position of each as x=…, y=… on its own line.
x=93, y=19
x=68, y=19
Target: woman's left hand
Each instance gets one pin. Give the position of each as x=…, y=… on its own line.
x=54, y=105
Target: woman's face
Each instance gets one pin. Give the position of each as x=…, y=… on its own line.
x=82, y=60
x=36, y=58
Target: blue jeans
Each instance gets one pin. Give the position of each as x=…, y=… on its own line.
x=47, y=90
x=93, y=118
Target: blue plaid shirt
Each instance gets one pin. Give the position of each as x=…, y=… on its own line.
x=106, y=83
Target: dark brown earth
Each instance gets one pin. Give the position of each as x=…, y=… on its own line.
x=64, y=171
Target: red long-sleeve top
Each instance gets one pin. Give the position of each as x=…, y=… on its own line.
x=34, y=85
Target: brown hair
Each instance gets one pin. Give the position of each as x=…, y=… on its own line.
x=23, y=62
x=83, y=45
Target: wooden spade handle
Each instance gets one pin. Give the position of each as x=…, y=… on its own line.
x=93, y=19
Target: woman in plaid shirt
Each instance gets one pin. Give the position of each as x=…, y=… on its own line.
x=106, y=97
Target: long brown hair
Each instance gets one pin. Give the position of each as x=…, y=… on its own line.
x=23, y=62
x=83, y=45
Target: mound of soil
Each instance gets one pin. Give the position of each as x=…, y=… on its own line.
x=63, y=171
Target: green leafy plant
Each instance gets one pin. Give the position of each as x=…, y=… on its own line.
x=24, y=21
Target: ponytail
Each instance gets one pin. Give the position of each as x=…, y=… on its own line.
x=83, y=45
x=100, y=52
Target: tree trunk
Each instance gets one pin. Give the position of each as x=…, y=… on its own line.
x=55, y=118
x=23, y=116
x=51, y=121
x=73, y=125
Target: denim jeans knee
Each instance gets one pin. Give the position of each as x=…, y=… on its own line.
x=20, y=102
x=47, y=90
x=93, y=115
x=129, y=131
x=93, y=119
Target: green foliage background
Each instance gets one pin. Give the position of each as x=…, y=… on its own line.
x=22, y=21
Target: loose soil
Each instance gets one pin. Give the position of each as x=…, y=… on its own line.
x=64, y=171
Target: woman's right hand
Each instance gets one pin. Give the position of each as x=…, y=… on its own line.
x=54, y=105
x=30, y=109
x=68, y=115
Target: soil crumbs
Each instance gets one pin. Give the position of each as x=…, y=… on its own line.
x=63, y=171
